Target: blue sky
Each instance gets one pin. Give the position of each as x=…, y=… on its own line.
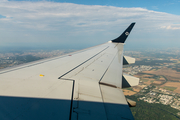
x=80, y=24
x=168, y=6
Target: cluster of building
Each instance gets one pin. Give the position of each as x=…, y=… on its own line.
x=162, y=96
x=6, y=61
x=165, y=99
x=9, y=59
x=133, y=70
x=47, y=54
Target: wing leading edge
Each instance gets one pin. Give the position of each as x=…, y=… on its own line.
x=83, y=85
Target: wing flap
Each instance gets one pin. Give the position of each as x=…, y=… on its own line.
x=96, y=101
x=115, y=103
x=37, y=103
x=87, y=104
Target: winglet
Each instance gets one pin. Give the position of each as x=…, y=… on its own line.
x=124, y=35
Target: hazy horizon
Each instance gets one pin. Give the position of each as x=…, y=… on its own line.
x=81, y=24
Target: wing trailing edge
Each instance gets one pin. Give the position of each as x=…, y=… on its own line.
x=122, y=38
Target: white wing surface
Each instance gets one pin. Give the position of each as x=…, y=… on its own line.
x=84, y=85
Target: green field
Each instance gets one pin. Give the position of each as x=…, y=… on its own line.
x=145, y=80
x=170, y=88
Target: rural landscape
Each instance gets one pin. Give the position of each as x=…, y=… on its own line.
x=158, y=93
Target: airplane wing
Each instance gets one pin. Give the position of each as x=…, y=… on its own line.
x=84, y=85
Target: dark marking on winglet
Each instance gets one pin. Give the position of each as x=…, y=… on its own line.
x=124, y=35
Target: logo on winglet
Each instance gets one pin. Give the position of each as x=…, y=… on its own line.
x=127, y=33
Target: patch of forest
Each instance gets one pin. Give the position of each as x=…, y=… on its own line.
x=152, y=111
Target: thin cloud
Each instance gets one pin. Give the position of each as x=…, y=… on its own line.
x=172, y=27
x=155, y=7
x=60, y=20
x=45, y=13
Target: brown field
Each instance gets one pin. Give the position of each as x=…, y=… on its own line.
x=167, y=72
x=146, y=76
x=137, y=75
x=138, y=59
x=173, y=84
x=148, y=82
x=162, y=79
x=146, y=79
x=136, y=90
x=157, y=82
x=141, y=86
x=128, y=92
x=174, y=59
x=153, y=70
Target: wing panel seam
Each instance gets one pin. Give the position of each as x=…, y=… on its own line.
x=108, y=67
x=71, y=106
x=82, y=63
